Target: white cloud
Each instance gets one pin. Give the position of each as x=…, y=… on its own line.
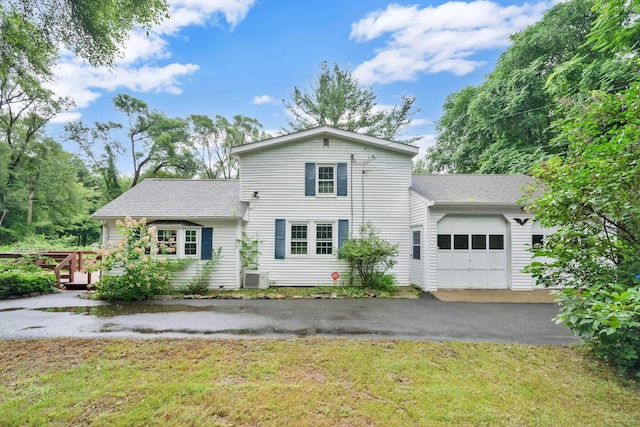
x=424, y=143
x=264, y=99
x=145, y=65
x=197, y=12
x=437, y=39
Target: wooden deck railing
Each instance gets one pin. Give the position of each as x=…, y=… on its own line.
x=65, y=264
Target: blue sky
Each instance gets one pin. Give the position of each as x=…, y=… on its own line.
x=232, y=57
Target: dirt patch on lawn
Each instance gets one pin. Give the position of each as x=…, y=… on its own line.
x=499, y=295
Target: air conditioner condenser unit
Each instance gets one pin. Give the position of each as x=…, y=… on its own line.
x=256, y=280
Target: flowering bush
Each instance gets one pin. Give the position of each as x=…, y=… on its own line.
x=144, y=274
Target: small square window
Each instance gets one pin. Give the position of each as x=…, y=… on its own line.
x=460, y=241
x=537, y=240
x=444, y=241
x=478, y=241
x=496, y=241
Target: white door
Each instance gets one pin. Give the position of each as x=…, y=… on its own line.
x=416, y=256
x=472, y=252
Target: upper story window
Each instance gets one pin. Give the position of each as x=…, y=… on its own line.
x=326, y=179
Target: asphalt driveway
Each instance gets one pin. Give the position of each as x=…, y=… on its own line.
x=426, y=318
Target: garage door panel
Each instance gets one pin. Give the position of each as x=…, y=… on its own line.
x=445, y=259
x=497, y=261
x=460, y=260
x=477, y=278
x=480, y=264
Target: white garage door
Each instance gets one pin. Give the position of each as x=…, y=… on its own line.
x=472, y=252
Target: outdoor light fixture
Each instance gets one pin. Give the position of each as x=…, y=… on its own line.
x=256, y=194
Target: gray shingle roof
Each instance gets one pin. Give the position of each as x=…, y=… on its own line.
x=490, y=189
x=177, y=198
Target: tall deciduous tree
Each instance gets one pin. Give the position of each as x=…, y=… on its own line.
x=505, y=124
x=94, y=30
x=101, y=151
x=591, y=196
x=212, y=140
x=154, y=140
x=337, y=99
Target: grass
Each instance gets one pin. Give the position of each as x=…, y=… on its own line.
x=319, y=382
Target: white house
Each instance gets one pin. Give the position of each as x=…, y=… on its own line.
x=302, y=195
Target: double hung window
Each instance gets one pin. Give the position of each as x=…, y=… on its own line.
x=298, y=239
x=178, y=241
x=324, y=239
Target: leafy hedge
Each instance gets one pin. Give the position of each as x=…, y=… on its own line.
x=20, y=282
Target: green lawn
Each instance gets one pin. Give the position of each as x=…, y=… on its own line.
x=307, y=382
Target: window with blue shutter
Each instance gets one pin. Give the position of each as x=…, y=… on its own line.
x=281, y=226
x=207, y=243
x=309, y=179
x=342, y=179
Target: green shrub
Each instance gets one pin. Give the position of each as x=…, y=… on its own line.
x=143, y=273
x=370, y=256
x=608, y=318
x=199, y=285
x=21, y=282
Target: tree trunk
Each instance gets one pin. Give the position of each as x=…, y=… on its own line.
x=30, y=206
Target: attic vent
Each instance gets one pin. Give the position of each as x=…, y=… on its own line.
x=325, y=142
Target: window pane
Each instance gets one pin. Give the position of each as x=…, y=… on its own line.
x=324, y=239
x=460, y=241
x=537, y=239
x=167, y=241
x=298, y=239
x=478, y=241
x=444, y=241
x=299, y=232
x=190, y=249
x=496, y=241
x=416, y=252
x=298, y=248
x=416, y=237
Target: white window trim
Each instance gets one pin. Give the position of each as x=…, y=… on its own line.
x=181, y=241
x=334, y=166
x=290, y=226
x=312, y=229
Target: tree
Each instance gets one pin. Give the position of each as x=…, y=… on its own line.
x=153, y=138
x=94, y=30
x=505, y=124
x=101, y=151
x=591, y=196
x=337, y=99
x=211, y=142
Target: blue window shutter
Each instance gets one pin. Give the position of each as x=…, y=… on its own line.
x=207, y=243
x=309, y=179
x=342, y=179
x=281, y=226
x=343, y=232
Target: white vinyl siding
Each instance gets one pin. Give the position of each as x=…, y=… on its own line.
x=225, y=235
x=278, y=174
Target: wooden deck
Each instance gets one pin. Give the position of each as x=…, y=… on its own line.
x=68, y=266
